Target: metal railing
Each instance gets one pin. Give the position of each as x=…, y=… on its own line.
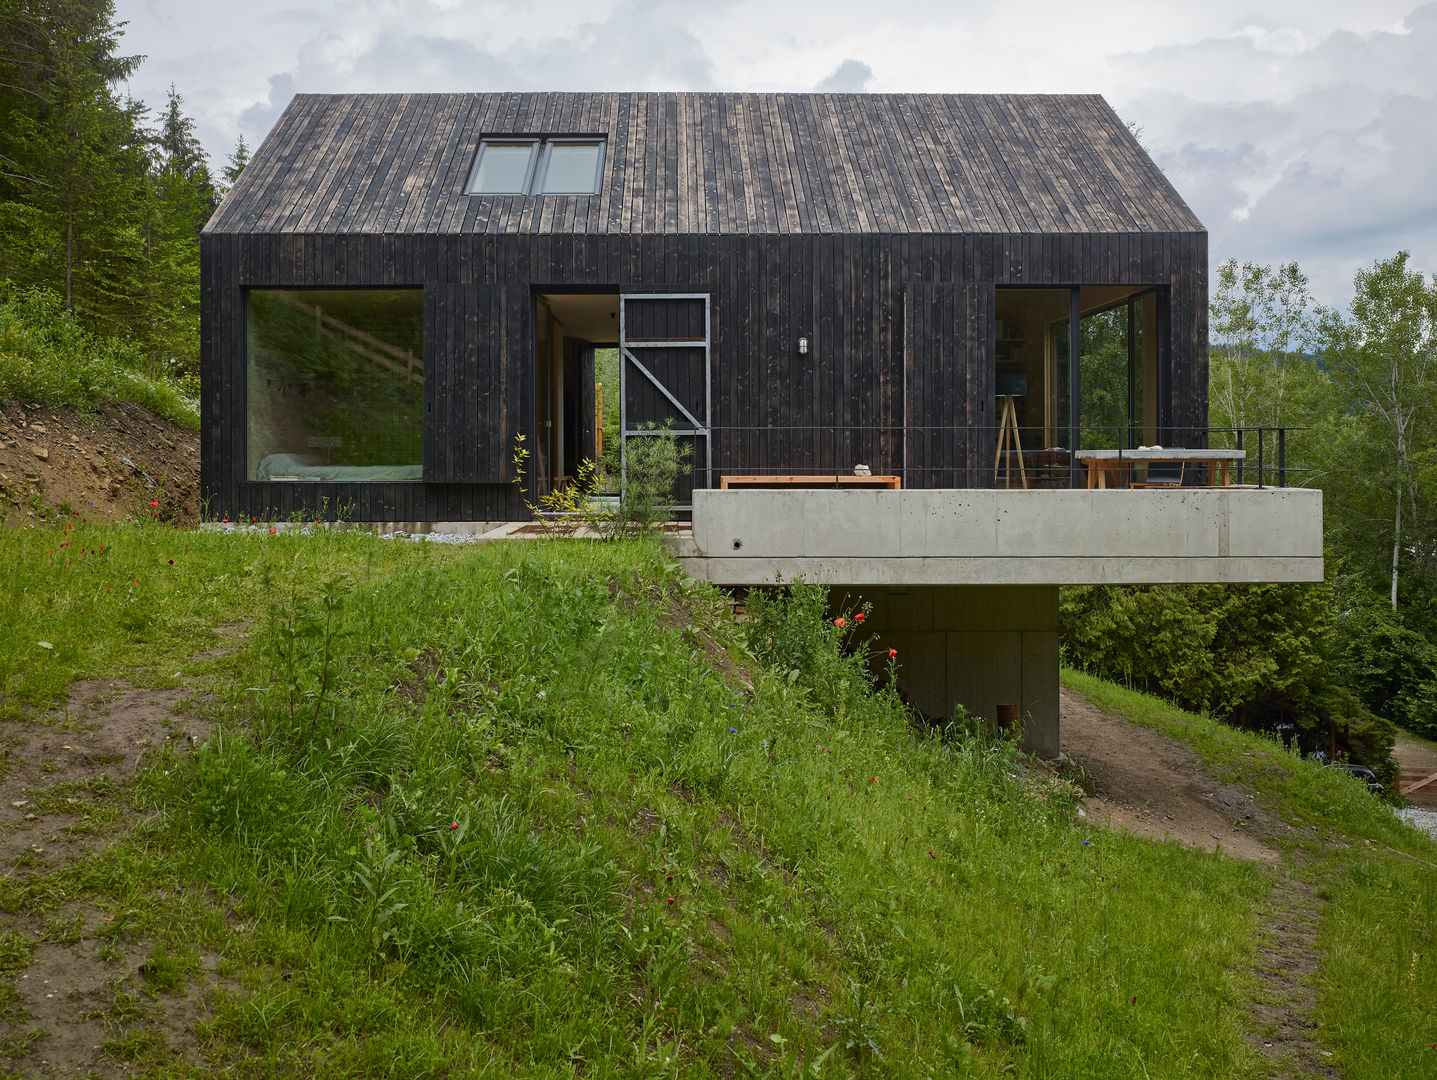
x=972, y=456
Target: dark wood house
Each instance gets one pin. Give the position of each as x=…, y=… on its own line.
x=399, y=286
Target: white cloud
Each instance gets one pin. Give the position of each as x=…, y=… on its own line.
x=1296, y=128
x=1319, y=151
x=851, y=76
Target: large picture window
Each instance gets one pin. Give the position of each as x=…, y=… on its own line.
x=335, y=384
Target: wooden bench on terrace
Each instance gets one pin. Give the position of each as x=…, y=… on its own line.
x=892, y=483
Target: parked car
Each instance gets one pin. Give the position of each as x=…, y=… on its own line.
x=1358, y=772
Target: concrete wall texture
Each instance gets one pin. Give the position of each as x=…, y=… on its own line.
x=977, y=645
x=999, y=537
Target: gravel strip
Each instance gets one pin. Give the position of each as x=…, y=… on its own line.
x=1420, y=819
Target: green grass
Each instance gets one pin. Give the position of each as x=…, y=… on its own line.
x=84, y=600
x=498, y=811
x=46, y=357
x=1378, y=933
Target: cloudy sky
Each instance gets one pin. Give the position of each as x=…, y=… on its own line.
x=1297, y=129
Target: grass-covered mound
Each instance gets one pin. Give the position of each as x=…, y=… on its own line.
x=536, y=810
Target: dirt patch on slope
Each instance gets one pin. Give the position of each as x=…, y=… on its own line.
x=106, y=466
x=1286, y=1005
x=85, y=1001
x=1155, y=787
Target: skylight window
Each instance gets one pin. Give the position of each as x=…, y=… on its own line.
x=537, y=166
x=502, y=168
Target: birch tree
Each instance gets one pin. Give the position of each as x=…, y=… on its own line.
x=1262, y=322
x=1382, y=356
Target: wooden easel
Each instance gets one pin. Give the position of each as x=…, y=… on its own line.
x=1008, y=440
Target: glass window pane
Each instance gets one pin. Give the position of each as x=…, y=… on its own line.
x=334, y=384
x=502, y=169
x=572, y=169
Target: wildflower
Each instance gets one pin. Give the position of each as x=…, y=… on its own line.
x=1086, y=843
x=672, y=899
x=892, y=654
x=859, y=617
x=873, y=779
x=453, y=825
x=668, y=877
x=838, y=622
x=154, y=502
x=172, y=562
x=734, y=730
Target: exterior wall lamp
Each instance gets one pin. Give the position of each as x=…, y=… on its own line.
x=803, y=346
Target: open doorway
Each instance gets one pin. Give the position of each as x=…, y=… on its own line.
x=576, y=388
x=1116, y=380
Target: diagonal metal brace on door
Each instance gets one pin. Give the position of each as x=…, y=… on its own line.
x=631, y=358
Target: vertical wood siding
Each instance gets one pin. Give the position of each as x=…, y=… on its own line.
x=773, y=410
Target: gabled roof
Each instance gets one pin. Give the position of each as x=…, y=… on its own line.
x=712, y=163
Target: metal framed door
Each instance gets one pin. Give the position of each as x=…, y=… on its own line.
x=665, y=373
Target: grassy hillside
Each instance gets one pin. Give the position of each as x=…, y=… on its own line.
x=535, y=810
x=47, y=357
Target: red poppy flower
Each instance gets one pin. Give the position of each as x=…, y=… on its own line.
x=838, y=622
x=892, y=653
x=673, y=900
x=859, y=617
x=453, y=826
x=154, y=502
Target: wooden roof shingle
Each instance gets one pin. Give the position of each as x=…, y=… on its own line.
x=705, y=163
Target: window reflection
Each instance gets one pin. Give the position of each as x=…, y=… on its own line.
x=335, y=384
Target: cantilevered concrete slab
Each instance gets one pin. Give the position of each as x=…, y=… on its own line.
x=997, y=537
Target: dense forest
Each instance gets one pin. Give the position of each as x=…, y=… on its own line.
x=101, y=200
x=101, y=203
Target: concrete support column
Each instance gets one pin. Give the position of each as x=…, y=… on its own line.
x=975, y=645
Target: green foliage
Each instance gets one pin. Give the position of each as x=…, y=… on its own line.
x=332, y=386
x=1377, y=932
x=794, y=631
x=572, y=505
x=1389, y=666
x=653, y=464
x=1262, y=325
x=1382, y=441
x=1368, y=395
x=47, y=357
x=93, y=205
x=1105, y=380
x=1257, y=656
x=606, y=375
x=236, y=162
